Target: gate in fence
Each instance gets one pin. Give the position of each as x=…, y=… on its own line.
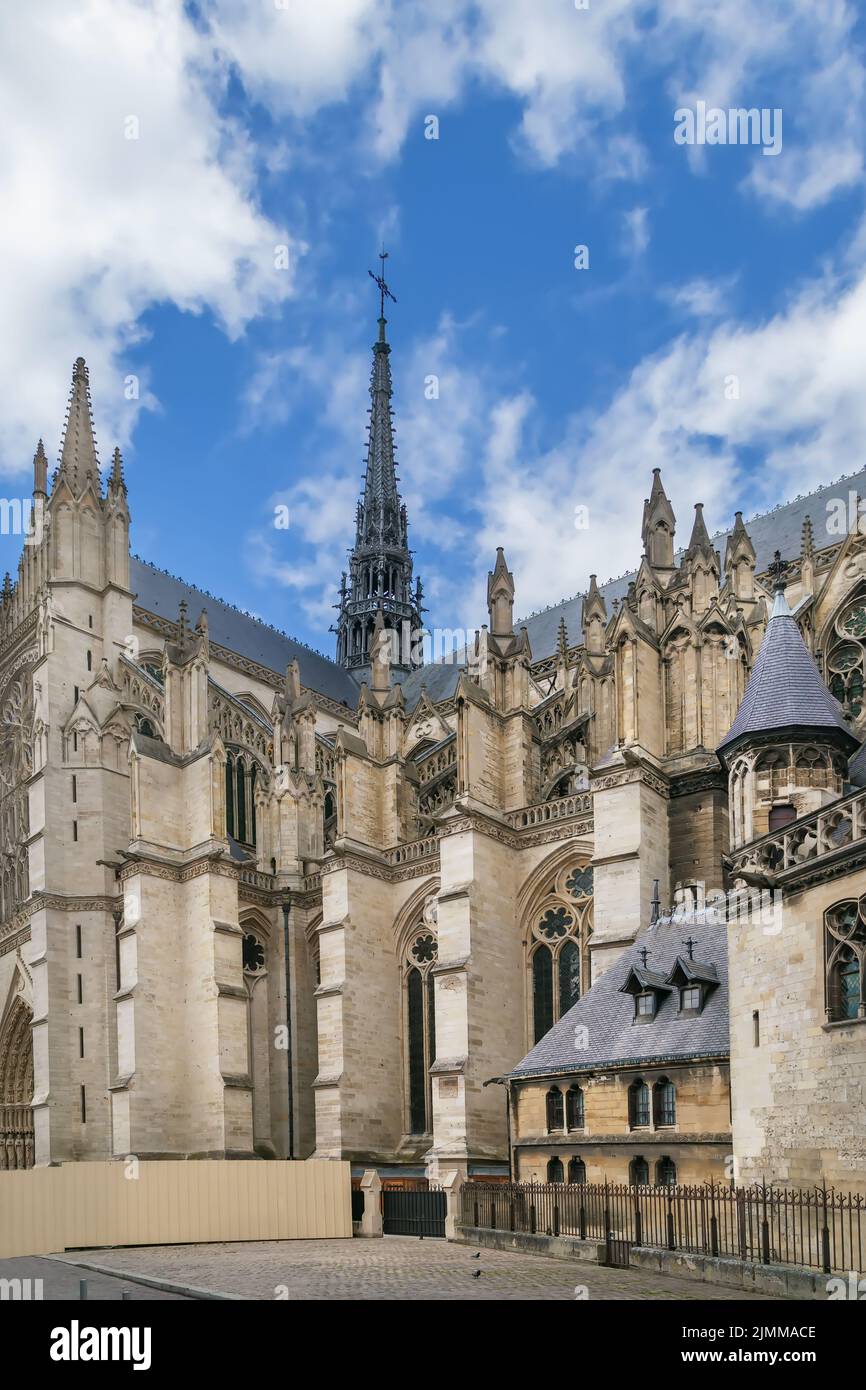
x=413, y=1210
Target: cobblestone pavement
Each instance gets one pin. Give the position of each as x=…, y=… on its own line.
x=395, y=1267
x=61, y=1281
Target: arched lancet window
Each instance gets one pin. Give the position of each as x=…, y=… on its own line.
x=420, y=1016
x=554, y=1109
x=542, y=991
x=561, y=925
x=576, y=1170
x=845, y=657
x=230, y=795
x=569, y=976
x=666, y=1172
x=574, y=1112
x=638, y=1104
x=253, y=773
x=241, y=802
x=638, y=1172
x=845, y=950
x=664, y=1102
x=554, y=1170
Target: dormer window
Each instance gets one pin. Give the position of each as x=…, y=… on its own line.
x=647, y=988
x=691, y=999
x=644, y=1006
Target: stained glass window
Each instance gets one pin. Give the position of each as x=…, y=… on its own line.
x=555, y=922
x=417, y=1067
x=230, y=795
x=845, y=942
x=241, y=808
x=542, y=991
x=569, y=976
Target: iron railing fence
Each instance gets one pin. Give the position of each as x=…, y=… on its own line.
x=818, y=1228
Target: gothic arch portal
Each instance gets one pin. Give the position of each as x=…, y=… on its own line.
x=16, y=1087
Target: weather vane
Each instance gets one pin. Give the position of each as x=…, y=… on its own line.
x=380, y=281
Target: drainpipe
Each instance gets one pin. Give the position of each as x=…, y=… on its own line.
x=286, y=906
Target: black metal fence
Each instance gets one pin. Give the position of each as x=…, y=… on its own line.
x=413, y=1210
x=818, y=1228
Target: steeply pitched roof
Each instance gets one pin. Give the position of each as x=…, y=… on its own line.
x=247, y=636
x=603, y=1019
x=785, y=689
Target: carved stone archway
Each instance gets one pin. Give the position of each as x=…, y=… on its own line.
x=16, y=1088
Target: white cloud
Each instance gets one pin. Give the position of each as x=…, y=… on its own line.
x=98, y=227
x=636, y=239
x=700, y=298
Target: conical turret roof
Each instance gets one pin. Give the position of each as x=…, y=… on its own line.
x=785, y=689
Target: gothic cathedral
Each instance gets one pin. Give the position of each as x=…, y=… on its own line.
x=257, y=903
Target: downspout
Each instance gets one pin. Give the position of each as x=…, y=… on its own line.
x=286, y=906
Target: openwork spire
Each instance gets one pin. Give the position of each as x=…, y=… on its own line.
x=380, y=563
x=79, y=463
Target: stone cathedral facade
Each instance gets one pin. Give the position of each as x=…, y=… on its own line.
x=257, y=903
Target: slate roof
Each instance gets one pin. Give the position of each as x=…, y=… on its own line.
x=612, y=1036
x=161, y=593
x=785, y=689
x=780, y=529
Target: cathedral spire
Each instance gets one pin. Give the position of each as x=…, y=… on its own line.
x=380, y=563
x=79, y=463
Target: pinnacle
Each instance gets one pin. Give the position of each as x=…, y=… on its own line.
x=700, y=540
x=78, y=459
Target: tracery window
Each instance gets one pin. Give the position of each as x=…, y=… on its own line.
x=241, y=776
x=560, y=930
x=845, y=950
x=845, y=659
x=420, y=1023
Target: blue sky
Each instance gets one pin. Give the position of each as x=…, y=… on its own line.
x=265, y=124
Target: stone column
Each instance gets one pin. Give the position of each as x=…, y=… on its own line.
x=371, y=1221
x=452, y=1184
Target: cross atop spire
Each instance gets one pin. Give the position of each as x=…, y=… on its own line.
x=384, y=291
x=380, y=563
